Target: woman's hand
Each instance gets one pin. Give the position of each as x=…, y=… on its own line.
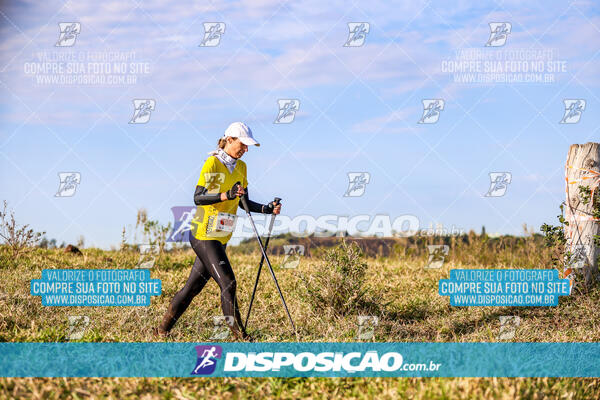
x=237, y=190
x=271, y=208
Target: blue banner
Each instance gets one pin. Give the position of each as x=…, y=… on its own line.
x=504, y=287
x=300, y=359
x=95, y=287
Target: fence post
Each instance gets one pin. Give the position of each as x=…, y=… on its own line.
x=582, y=170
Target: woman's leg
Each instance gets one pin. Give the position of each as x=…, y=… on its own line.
x=199, y=275
x=216, y=261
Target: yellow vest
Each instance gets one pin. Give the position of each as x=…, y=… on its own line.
x=216, y=178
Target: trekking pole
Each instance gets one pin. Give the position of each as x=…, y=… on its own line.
x=262, y=249
x=262, y=259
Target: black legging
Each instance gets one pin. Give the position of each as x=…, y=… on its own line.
x=211, y=262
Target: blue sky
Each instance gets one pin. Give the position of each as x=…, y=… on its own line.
x=359, y=108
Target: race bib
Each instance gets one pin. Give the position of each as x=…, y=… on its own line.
x=220, y=223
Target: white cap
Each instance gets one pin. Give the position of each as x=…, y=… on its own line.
x=242, y=131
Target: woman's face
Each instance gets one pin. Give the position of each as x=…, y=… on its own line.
x=235, y=148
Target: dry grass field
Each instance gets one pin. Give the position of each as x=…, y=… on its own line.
x=326, y=293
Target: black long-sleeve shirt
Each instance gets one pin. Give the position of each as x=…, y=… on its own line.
x=202, y=198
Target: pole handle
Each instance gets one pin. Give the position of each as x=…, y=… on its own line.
x=277, y=200
x=244, y=204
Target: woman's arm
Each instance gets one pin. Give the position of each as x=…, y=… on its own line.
x=201, y=195
x=257, y=207
x=201, y=198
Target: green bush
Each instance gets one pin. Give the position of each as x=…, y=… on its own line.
x=338, y=288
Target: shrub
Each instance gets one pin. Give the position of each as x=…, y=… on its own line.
x=338, y=288
x=19, y=239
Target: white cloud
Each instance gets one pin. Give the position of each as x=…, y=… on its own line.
x=286, y=45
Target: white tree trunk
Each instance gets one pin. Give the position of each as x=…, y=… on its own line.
x=582, y=169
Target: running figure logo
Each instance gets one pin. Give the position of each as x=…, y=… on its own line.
x=358, y=34
x=498, y=34
x=287, y=110
x=292, y=252
x=508, y=326
x=221, y=325
x=213, y=181
x=578, y=258
x=573, y=110
x=77, y=326
x=212, y=34
x=431, y=111
x=366, y=327
x=68, y=183
x=207, y=359
x=357, y=183
x=182, y=223
x=68, y=33
x=148, y=254
x=499, y=182
x=437, y=255
x=142, y=110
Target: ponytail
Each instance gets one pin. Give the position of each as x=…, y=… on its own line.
x=223, y=141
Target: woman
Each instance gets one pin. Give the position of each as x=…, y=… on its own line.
x=222, y=182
